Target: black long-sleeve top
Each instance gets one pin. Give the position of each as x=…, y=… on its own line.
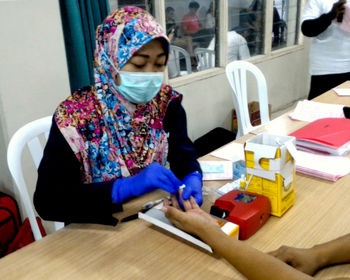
x=314, y=27
x=61, y=196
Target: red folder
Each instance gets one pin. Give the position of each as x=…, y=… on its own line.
x=329, y=135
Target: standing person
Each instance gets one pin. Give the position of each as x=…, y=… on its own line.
x=237, y=47
x=210, y=17
x=250, y=26
x=278, y=28
x=192, y=26
x=190, y=21
x=329, y=52
x=172, y=30
x=110, y=141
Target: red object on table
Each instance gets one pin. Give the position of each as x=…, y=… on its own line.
x=248, y=210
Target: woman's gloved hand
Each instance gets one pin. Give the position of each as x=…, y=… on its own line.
x=154, y=176
x=193, y=182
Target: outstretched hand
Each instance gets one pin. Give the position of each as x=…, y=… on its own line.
x=302, y=259
x=194, y=220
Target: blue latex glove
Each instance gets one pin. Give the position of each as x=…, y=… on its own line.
x=152, y=177
x=193, y=182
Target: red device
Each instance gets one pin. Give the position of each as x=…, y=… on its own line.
x=248, y=210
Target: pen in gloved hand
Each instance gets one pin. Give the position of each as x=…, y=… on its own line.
x=147, y=206
x=144, y=208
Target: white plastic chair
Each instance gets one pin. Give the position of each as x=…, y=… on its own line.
x=174, y=66
x=28, y=135
x=236, y=72
x=205, y=58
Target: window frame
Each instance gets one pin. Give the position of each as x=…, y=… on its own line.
x=222, y=10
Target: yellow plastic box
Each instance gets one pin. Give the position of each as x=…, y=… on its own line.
x=271, y=170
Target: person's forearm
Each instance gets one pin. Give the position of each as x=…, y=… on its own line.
x=252, y=263
x=182, y=154
x=75, y=203
x=333, y=252
x=314, y=27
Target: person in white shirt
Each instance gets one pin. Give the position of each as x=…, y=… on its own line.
x=237, y=48
x=330, y=47
x=210, y=18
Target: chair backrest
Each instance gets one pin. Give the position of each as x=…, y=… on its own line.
x=28, y=135
x=205, y=58
x=236, y=72
x=176, y=54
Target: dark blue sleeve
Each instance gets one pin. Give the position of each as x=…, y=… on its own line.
x=61, y=196
x=182, y=153
x=314, y=27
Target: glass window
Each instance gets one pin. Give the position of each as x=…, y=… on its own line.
x=285, y=23
x=144, y=4
x=190, y=25
x=245, y=29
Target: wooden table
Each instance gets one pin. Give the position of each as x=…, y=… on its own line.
x=138, y=250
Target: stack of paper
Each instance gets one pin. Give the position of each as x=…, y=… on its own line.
x=327, y=136
x=310, y=111
x=342, y=91
x=325, y=167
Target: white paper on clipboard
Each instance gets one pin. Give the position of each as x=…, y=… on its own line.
x=232, y=152
x=157, y=217
x=342, y=91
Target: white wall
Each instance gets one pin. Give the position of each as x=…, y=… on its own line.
x=33, y=64
x=34, y=77
x=33, y=69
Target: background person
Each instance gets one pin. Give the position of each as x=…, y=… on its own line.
x=329, y=52
x=173, y=33
x=237, y=47
x=278, y=28
x=110, y=141
x=191, y=26
x=210, y=17
x=190, y=22
x=248, y=28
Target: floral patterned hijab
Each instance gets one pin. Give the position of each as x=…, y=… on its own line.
x=109, y=139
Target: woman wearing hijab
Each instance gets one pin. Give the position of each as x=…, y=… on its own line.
x=110, y=141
